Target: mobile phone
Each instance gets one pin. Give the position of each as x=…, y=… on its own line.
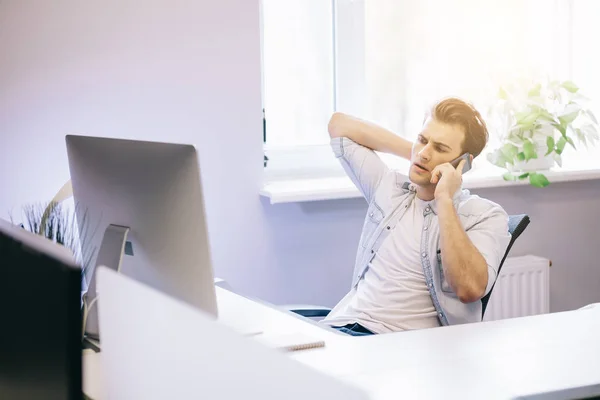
x=467, y=158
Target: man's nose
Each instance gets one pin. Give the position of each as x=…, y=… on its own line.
x=425, y=153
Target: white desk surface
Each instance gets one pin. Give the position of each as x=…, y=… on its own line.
x=237, y=312
x=497, y=359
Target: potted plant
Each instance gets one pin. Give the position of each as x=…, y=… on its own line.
x=536, y=122
x=58, y=223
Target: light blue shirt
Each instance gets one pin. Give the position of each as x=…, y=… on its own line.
x=389, y=196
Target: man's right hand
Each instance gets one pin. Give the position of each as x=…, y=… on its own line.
x=368, y=135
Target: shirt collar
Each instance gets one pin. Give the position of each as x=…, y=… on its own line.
x=432, y=203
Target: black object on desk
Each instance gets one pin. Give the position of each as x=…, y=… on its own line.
x=40, y=310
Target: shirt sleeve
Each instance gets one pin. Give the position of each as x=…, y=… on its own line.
x=362, y=165
x=491, y=237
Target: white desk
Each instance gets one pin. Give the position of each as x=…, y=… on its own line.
x=238, y=312
x=498, y=359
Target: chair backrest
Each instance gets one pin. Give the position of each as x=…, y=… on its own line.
x=516, y=226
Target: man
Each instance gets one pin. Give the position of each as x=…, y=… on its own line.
x=429, y=251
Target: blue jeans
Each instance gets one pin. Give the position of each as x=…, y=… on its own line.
x=354, y=330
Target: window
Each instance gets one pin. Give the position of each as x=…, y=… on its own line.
x=298, y=78
x=418, y=52
x=585, y=57
x=389, y=60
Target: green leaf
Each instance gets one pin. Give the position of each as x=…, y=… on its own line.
x=569, y=86
x=568, y=118
x=570, y=141
x=509, y=177
x=561, y=128
x=550, y=144
x=535, y=91
x=523, y=176
x=497, y=158
x=509, y=151
x=527, y=118
x=538, y=180
x=521, y=156
x=522, y=115
x=501, y=161
x=529, y=150
x=545, y=115
x=560, y=146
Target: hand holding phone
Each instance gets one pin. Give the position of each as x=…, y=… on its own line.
x=446, y=178
x=468, y=162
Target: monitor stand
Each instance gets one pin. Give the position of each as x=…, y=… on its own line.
x=110, y=255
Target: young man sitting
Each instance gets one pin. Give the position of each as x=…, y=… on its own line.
x=429, y=251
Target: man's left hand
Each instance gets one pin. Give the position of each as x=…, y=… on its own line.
x=448, y=179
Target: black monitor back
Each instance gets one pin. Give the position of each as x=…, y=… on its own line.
x=40, y=310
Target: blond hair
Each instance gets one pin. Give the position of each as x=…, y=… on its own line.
x=455, y=111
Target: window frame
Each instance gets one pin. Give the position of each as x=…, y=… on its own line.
x=349, y=89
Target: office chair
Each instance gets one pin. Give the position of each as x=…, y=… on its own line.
x=516, y=226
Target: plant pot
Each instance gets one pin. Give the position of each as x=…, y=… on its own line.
x=543, y=163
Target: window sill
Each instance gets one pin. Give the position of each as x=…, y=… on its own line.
x=341, y=187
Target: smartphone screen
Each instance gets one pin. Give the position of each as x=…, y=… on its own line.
x=467, y=158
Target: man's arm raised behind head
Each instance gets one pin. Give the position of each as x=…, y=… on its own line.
x=369, y=135
x=354, y=141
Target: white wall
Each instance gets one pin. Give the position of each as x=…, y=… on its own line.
x=189, y=71
x=180, y=71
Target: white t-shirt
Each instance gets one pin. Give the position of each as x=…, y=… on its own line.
x=392, y=295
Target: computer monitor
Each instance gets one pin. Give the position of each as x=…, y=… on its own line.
x=40, y=303
x=140, y=210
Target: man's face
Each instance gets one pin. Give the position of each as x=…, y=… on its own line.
x=437, y=143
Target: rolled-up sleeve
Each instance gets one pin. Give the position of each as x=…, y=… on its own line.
x=362, y=165
x=491, y=237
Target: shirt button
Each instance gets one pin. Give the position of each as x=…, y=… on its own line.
x=430, y=285
x=424, y=255
x=370, y=215
x=373, y=251
x=388, y=228
x=425, y=228
x=427, y=209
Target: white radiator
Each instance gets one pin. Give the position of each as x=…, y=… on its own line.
x=522, y=289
